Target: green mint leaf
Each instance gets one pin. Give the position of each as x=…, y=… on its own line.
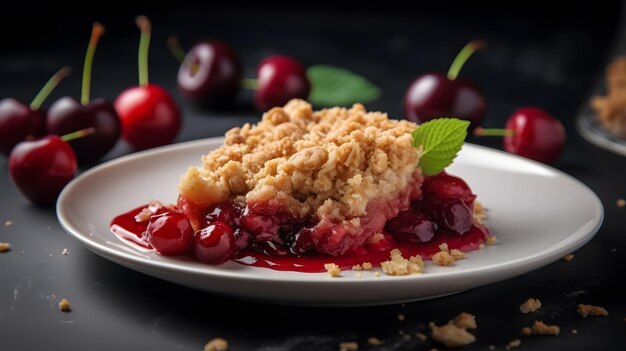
x=441, y=139
x=332, y=86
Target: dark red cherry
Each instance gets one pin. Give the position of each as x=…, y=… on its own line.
x=214, y=244
x=536, y=135
x=41, y=168
x=170, y=233
x=67, y=115
x=444, y=186
x=224, y=212
x=411, y=226
x=280, y=79
x=435, y=95
x=210, y=73
x=19, y=121
x=451, y=215
x=263, y=226
x=150, y=117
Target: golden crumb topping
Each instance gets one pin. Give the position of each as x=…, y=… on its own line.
x=398, y=265
x=328, y=163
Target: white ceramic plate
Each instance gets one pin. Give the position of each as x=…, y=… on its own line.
x=537, y=213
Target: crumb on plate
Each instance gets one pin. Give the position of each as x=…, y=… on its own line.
x=333, y=270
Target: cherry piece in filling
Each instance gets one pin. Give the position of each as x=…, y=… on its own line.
x=214, y=244
x=170, y=233
x=444, y=186
x=412, y=226
x=451, y=215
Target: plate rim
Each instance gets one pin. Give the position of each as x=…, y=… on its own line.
x=574, y=241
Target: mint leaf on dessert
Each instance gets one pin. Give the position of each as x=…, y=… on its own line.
x=333, y=86
x=441, y=139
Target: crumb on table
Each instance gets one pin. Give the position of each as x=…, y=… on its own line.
x=65, y=252
x=8, y=223
x=451, y=335
x=401, y=317
x=4, y=247
x=620, y=203
x=530, y=305
x=421, y=336
x=217, y=344
x=374, y=341
x=540, y=328
x=348, y=346
x=333, y=270
x=64, y=305
x=568, y=257
x=591, y=310
x=465, y=320
x=513, y=344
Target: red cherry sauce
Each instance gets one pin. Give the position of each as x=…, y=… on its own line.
x=126, y=227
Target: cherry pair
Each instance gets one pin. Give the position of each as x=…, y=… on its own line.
x=210, y=74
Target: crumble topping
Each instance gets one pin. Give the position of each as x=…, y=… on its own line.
x=64, y=305
x=4, y=247
x=348, y=346
x=217, y=344
x=443, y=258
x=530, y=305
x=568, y=257
x=329, y=163
x=398, y=265
x=333, y=270
x=591, y=310
x=540, y=328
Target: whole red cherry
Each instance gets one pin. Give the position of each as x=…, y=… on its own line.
x=170, y=233
x=19, y=121
x=41, y=168
x=150, y=117
x=531, y=132
x=434, y=95
x=209, y=74
x=279, y=79
x=215, y=243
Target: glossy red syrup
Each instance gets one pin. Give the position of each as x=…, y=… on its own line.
x=126, y=227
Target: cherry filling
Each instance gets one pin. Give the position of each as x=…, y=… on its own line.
x=416, y=222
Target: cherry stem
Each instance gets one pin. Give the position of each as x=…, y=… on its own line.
x=463, y=55
x=78, y=134
x=175, y=49
x=144, y=44
x=250, y=83
x=49, y=87
x=480, y=131
x=96, y=32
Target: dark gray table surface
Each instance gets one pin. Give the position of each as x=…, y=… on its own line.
x=531, y=60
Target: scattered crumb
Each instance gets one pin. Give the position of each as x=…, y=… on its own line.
x=530, y=305
x=333, y=270
x=4, y=247
x=443, y=258
x=398, y=265
x=527, y=331
x=568, y=257
x=444, y=247
x=480, y=214
x=491, y=240
x=377, y=274
x=481, y=246
x=591, y=310
x=574, y=331
x=348, y=346
x=540, y=328
x=64, y=305
x=65, y=252
x=452, y=336
x=357, y=268
x=465, y=320
x=10, y=223
x=421, y=336
x=431, y=325
x=457, y=254
x=367, y=266
x=513, y=344
x=217, y=344
x=359, y=275
x=374, y=341
x=401, y=317
x=620, y=203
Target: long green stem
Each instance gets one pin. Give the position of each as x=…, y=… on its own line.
x=96, y=32
x=49, y=87
x=250, y=83
x=480, y=131
x=144, y=44
x=175, y=49
x=78, y=134
x=462, y=57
